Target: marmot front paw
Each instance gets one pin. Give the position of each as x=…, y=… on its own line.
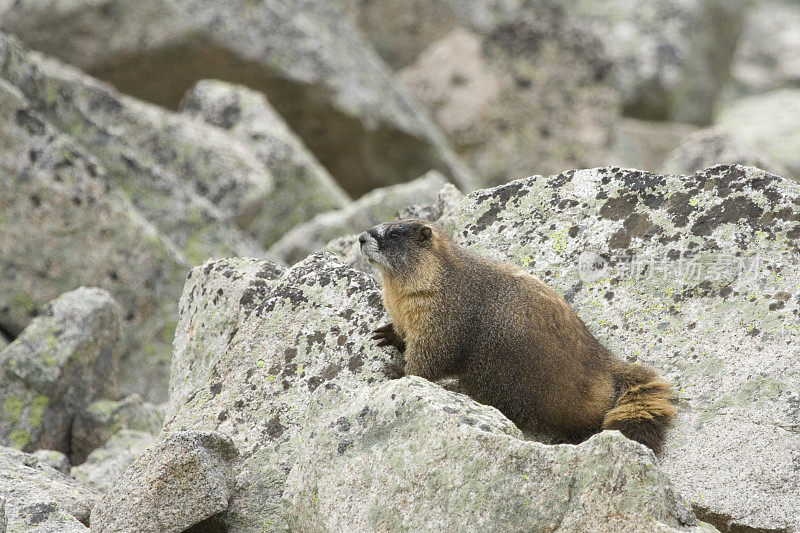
x=387, y=336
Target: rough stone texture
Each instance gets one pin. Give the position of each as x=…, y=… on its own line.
x=767, y=55
x=645, y=144
x=303, y=188
x=62, y=226
x=531, y=92
x=180, y=481
x=64, y=359
x=258, y=356
x=102, y=466
x=672, y=56
x=101, y=419
x=713, y=146
x=53, y=458
x=235, y=286
x=40, y=498
x=365, y=468
x=378, y=206
x=769, y=124
x=316, y=70
x=191, y=180
x=722, y=329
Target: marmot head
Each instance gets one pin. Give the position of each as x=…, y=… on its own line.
x=396, y=247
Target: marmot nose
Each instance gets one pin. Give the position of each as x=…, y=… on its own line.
x=362, y=238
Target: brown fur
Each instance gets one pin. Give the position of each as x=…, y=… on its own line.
x=512, y=341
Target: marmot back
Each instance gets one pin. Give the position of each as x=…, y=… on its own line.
x=511, y=340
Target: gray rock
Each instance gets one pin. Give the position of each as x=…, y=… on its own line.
x=101, y=419
x=182, y=480
x=671, y=57
x=53, y=458
x=235, y=286
x=769, y=124
x=64, y=359
x=767, y=55
x=378, y=206
x=245, y=365
x=648, y=262
x=410, y=456
x=713, y=146
x=329, y=85
x=38, y=496
x=645, y=144
x=64, y=226
x=529, y=92
x=102, y=467
x=303, y=188
x=191, y=180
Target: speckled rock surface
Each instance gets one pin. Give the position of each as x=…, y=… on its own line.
x=672, y=57
x=767, y=55
x=190, y=180
x=714, y=146
x=723, y=329
x=530, y=93
x=259, y=349
x=378, y=206
x=366, y=468
x=64, y=359
x=329, y=85
x=63, y=226
x=101, y=419
x=769, y=124
x=40, y=498
x=303, y=188
x=217, y=297
x=182, y=480
x=53, y=458
x=102, y=466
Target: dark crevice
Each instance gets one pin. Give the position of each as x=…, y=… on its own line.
x=212, y=524
x=6, y=333
x=725, y=524
x=360, y=159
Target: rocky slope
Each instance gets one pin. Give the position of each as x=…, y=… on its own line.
x=185, y=316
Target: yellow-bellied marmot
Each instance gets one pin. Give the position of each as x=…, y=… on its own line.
x=511, y=340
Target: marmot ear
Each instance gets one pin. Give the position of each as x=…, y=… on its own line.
x=425, y=233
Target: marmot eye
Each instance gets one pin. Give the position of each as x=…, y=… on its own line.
x=394, y=235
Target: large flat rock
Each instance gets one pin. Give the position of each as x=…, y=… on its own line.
x=409, y=455
x=251, y=346
x=696, y=276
